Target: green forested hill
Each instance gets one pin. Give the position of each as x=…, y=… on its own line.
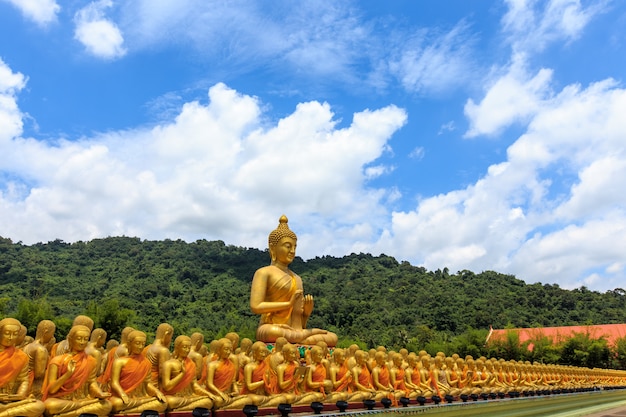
x=204, y=286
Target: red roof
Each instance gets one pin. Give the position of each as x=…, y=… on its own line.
x=611, y=332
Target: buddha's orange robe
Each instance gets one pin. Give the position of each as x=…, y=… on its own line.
x=12, y=362
x=347, y=384
x=134, y=372
x=365, y=377
x=106, y=375
x=288, y=375
x=190, y=373
x=399, y=383
x=281, y=289
x=85, y=364
x=259, y=374
x=318, y=375
x=383, y=376
x=224, y=375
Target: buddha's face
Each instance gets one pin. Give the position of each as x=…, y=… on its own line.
x=339, y=358
x=285, y=250
x=79, y=341
x=183, y=349
x=260, y=354
x=289, y=355
x=316, y=355
x=136, y=346
x=226, y=349
x=9, y=335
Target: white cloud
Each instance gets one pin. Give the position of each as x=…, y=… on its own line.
x=41, y=12
x=100, y=36
x=526, y=216
x=217, y=172
x=434, y=62
x=533, y=25
x=11, y=84
x=514, y=97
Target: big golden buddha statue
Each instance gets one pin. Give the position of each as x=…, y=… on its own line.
x=278, y=296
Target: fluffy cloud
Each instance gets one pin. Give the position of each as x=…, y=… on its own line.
x=429, y=62
x=10, y=116
x=100, y=36
x=513, y=97
x=216, y=171
x=532, y=25
x=554, y=211
x=40, y=11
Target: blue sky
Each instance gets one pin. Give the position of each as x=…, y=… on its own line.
x=462, y=134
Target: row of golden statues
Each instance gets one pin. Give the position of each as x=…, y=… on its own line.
x=79, y=375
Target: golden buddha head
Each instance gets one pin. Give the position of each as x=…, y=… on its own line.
x=182, y=346
x=136, y=342
x=78, y=337
x=278, y=234
x=9, y=331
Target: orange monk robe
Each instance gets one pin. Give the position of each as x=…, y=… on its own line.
x=85, y=364
x=134, y=372
x=190, y=374
x=12, y=362
x=288, y=375
x=347, y=384
x=383, y=376
x=224, y=375
x=434, y=382
x=281, y=289
x=260, y=373
x=106, y=375
x=399, y=383
x=415, y=377
x=271, y=383
x=365, y=377
x=318, y=375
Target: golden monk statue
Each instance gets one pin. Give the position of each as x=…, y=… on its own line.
x=277, y=295
x=38, y=355
x=131, y=382
x=179, y=382
x=14, y=381
x=70, y=388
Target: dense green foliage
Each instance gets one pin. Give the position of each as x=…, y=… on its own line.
x=370, y=300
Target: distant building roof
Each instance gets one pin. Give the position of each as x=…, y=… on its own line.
x=611, y=332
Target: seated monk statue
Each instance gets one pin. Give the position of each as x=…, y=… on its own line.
x=427, y=383
x=412, y=376
x=179, y=382
x=290, y=376
x=38, y=355
x=197, y=340
x=244, y=355
x=278, y=296
x=397, y=374
x=63, y=346
x=316, y=381
x=341, y=377
x=14, y=381
x=221, y=379
x=95, y=348
x=159, y=351
x=362, y=378
x=381, y=378
x=115, y=352
x=256, y=381
x=132, y=388
x=70, y=387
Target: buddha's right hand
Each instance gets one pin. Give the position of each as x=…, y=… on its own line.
x=297, y=295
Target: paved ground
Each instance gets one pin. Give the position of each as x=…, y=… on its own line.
x=614, y=412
